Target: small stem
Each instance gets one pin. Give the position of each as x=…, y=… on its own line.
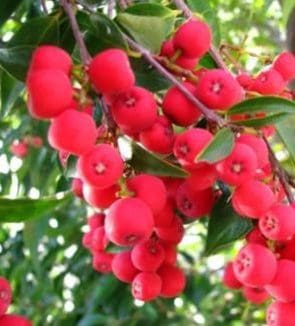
x=279, y=171
x=43, y=5
x=85, y=56
x=108, y=116
x=184, y=8
x=111, y=6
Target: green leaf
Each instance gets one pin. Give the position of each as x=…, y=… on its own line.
x=149, y=24
x=100, y=32
x=23, y=209
x=264, y=104
x=7, y=7
x=287, y=8
x=286, y=131
x=218, y=148
x=265, y=121
x=208, y=62
x=225, y=226
x=10, y=90
x=145, y=161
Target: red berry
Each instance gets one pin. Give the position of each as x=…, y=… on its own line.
x=255, y=295
x=202, y=177
x=14, y=320
x=218, y=90
x=172, y=234
x=193, y=38
x=255, y=265
x=96, y=220
x=123, y=267
x=172, y=185
x=255, y=236
x=101, y=167
x=286, y=249
x=229, y=277
x=99, y=240
x=245, y=80
x=150, y=189
x=77, y=187
x=173, y=280
x=278, y=223
x=252, y=199
x=72, y=131
x=146, y=286
x=100, y=198
x=5, y=295
x=135, y=110
x=282, y=287
x=268, y=82
x=170, y=253
x=166, y=215
x=87, y=240
x=160, y=137
x=50, y=93
x=178, y=108
x=189, y=144
x=280, y=314
x=19, y=149
x=285, y=65
x=51, y=57
x=148, y=255
x=102, y=262
x=110, y=72
x=129, y=221
x=239, y=166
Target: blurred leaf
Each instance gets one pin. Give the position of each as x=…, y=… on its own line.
x=7, y=7
x=139, y=20
x=225, y=226
x=266, y=121
x=264, y=104
x=207, y=62
x=286, y=132
x=145, y=161
x=218, y=148
x=22, y=209
x=287, y=8
x=94, y=320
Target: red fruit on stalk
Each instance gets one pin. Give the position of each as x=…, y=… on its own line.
x=229, y=278
x=87, y=239
x=110, y=72
x=193, y=38
x=123, y=267
x=146, y=286
x=100, y=198
x=96, y=220
x=255, y=265
x=129, y=221
x=285, y=65
x=202, y=177
x=255, y=236
x=268, y=82
x=170, y=253
x=14, y=320
x=51, y=57
x=72, y=131
x=99, y=240
x=172, y=234
x=255, y=295
x=19, y=149
x=135, y=109
x=50, y=93
x=77, y=187
x=166, y=215
x=102, y=262
x=5, y=295
x=178, y=108
x=173, y=280
x=280, y=314
x=102, y=167
x=286, y=249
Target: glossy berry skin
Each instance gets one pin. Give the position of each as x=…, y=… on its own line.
x=280, y=314
x=5, y=295
x=110, y=72
x=255, y=265
x=239, y=166
x=255, y=295
x=165, y=217
x=123, y=267
x=252, y=199
x=77, y=187
x=102, y=262
x=147, y=256
x=135, y=110
x=255, y=236
x=285, y=65
x=193, y=38
x=173, y=280
x=202, y=177
x=189, y=144
x=129, y=221
x=146, y=286
x=178, y=108
x=99, y=240
x=100, y=198
x=282, y=287
x=245, y=80
x=172, y=234
x=229, y=278
x=170, y=253
x=72, y=131
x=278, y=223
x=268, y=82
x=159, y=137
x=101, y=167
x=194, y=204
x=218, y=90
x=150, y=189
x=51, y=57
x=50, y=93
x=95, y=220
x=14, y=320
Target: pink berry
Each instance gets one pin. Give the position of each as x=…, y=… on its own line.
x=280, y=314
x=19, y=149
x=102, y=262
x=173, y=280
x=96, y=220
x=229, y=278
x=268, y=82
x=99, y=240
x=202, y=177
x=100, y=198
x=77, y=187
x=14, y=320
x=123, y=267
x=165, y=217
x=172, y=234
x=255, y=295
x=285, y=65
x=146, y=286
x=5, y=295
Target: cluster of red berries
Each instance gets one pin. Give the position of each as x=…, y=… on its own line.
x=144, y=213
x=21, y=147
x=5, y=301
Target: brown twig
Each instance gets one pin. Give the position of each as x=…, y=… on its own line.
x=43, y=5
x=108, y=116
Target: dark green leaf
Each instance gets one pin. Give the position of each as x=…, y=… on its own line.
x=148, y=23
x=207, y=62
x=265, y=104
x=145, y=161
x=286, y=132
x=261, y=122
x=219, y=147
x=225, y=226
x=7, y=7
x=70, y=170
x=23, y=209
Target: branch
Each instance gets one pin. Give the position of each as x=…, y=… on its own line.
x=279, y=171
x=43, y=5
x=85, y=56
x=108, y=116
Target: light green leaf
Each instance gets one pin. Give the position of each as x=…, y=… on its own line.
x=286, y=132
x=287, y=8
x=265, y=121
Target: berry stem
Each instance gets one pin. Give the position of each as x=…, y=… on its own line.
x=43, y=5
x=279, y=171
x=108, y=116
x=85, y=56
